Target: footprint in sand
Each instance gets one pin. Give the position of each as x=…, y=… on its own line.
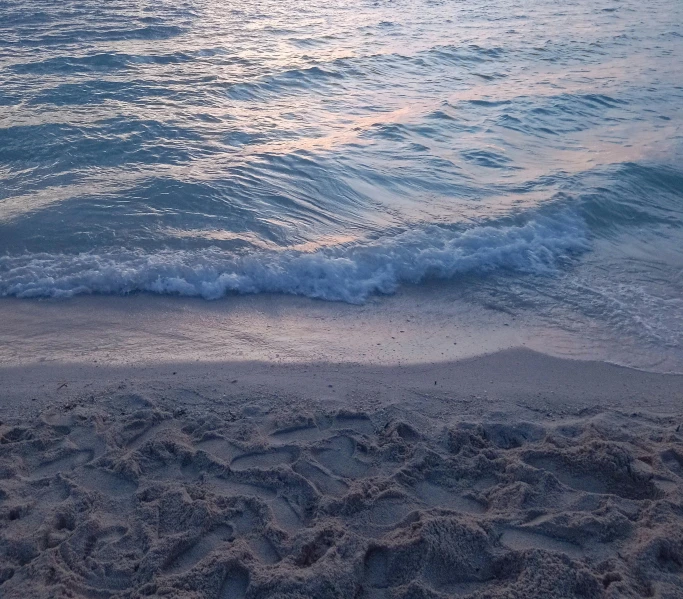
x=580, y=482
x=386, y=567
x=195, y=552
x=521, y=540
x=326, y=484
x=232, y=488
x=593, y=479
x=265, y=459
x=285, y=515
x=387, y=511
x=16, y=434
x=235, y=584
x=338, y=457
x=105, y=482
x=264, y=550
x=295, y=434
x=283, y=512
x=140, y=431
x=437, y=496
x=65, y=464
x=59, y=423
x=357, y=423
x=85, y=547
x=220, y=447
x=673, y=461
x=376, y=566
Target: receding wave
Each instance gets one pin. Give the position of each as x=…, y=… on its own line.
x=540, y=246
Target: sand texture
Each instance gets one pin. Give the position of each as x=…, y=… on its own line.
x=127, y=495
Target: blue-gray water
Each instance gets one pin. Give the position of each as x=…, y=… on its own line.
x=528, y=152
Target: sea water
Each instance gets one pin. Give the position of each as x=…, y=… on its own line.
x=526, y=155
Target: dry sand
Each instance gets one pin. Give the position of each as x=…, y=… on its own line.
x=512, y=475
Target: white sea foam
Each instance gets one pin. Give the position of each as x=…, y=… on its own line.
x=350, y=274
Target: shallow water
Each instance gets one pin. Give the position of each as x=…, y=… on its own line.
x=529, y=153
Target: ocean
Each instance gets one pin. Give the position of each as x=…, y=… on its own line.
x=524, y=156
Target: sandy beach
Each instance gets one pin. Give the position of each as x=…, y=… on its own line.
x=341, y=300
x=514, y=474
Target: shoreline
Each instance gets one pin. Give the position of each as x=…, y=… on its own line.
x=422, y=325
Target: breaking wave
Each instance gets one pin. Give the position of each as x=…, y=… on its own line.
x=351, y=274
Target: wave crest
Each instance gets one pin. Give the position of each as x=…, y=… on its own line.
x=344, y=273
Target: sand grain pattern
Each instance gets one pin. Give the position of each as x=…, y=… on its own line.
x=123, y=497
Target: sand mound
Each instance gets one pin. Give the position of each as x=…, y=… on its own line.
x=129, y=498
